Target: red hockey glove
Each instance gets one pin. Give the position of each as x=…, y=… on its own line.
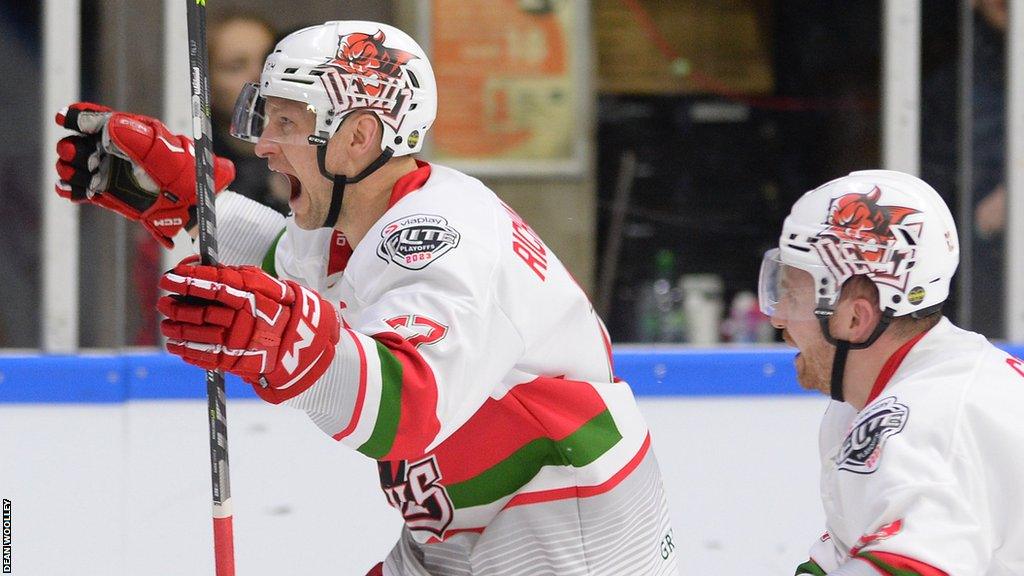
x=132, y=165
x=277, y=335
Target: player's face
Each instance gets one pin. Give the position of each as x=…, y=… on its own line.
x=801, y=329
x=283, y=145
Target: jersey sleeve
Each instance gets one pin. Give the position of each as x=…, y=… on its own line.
x=420, y=358
x=299, y=255
x=247, y=231
x=823, y=557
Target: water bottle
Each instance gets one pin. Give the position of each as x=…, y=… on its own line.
x=746, y=324
x=659, y=307
x=702, y=306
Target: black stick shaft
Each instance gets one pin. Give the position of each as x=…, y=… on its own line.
x=202, y=134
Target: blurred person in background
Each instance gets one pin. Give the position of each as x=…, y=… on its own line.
x=20, y=39
x=920, y=466
x=412, y=315
x=239, y=43
x=939, y=137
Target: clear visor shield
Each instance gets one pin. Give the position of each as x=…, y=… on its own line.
x=786, y=292
x=276, y=119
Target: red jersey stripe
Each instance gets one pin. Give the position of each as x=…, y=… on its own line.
x=410, y=182
x=357, y=412
x=891, y=365
x=389, y=406
x=891, y=564
x=565, y=493
x=417, y=422
x=338, y=254
x=583, y=491
x=542, y=408
x=591, y=441
x=608, y=349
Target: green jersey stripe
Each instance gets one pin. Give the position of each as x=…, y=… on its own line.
x=390, y=410
x=269, y=263
x=908, y=567
x=585, y=445
x=810, y=567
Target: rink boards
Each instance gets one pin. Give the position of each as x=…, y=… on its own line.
x=113, y=378
x=105, y=461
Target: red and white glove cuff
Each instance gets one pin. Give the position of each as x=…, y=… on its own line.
x=277, y=335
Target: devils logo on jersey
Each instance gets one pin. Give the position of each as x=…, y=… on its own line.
x=415, y=489
x=865, y=237
x=367, y=74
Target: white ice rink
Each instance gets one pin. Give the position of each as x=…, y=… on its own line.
x=123, y=489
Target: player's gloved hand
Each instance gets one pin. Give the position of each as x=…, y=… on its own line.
x=133, y=165
x=275, y=334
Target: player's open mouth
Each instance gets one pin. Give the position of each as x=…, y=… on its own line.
x=295, y=185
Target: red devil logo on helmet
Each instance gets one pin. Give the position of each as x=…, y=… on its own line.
x=864, y=237
x=366, y=55
x=859, y=218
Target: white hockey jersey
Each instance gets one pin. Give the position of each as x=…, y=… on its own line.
x=473, y=368
x=928, y=478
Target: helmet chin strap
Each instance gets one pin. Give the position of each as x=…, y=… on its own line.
x=340, y=180
x=843, y=347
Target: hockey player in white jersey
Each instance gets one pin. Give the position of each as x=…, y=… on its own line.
x=922, y=468
x=409, y=312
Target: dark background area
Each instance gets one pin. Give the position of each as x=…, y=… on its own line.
x=717, y=174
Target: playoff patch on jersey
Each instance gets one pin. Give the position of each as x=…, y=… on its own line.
x=415, y=241
x=862, y=448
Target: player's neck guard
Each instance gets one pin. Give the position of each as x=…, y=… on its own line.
x=843, y=348
x=340, y=180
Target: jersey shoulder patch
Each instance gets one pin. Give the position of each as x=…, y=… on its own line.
x=414, y=242
x=862, y=450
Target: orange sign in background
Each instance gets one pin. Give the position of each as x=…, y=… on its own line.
x=506, y=82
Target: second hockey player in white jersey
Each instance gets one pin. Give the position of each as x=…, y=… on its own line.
x=922, y=447
x=408, y=311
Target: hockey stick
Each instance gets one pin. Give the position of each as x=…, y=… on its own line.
x=223, y=541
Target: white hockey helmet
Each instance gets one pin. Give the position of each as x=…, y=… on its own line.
x=889, y=226
x=337, y=68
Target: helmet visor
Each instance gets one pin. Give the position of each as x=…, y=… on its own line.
x=786, y=292
x=275, y=119
x=247, y=118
